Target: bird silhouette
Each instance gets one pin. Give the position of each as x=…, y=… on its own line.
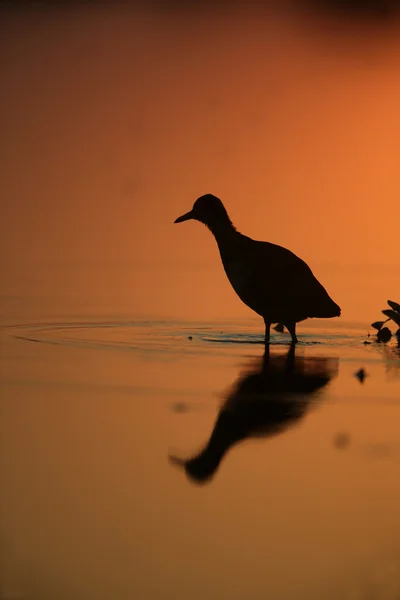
x=268, y=278
x=271, y=395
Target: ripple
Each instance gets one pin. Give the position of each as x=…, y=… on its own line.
x=171, y=337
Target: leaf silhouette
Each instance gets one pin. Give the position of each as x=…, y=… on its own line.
x=392, y=314
x=394, y=305
x=378, y=324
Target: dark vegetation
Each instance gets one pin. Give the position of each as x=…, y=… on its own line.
x=393, y=314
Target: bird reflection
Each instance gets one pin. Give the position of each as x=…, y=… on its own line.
x=271, y=395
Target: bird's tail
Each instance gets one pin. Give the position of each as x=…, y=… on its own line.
x=330, y=310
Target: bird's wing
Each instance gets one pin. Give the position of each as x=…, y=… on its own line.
x=281, y=280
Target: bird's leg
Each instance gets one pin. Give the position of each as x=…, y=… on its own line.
x=290, y=358
x=267, y=331
x=291, y=327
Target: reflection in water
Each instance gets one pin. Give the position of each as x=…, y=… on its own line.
x=270, y=396
x=391, y=355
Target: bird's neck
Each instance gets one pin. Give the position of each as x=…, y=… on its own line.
x=223, y=229
x=227, y=432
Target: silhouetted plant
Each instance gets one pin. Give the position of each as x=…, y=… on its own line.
x=384, y=334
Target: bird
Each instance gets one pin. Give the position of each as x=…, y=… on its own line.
x=270, y=396
x=271, y=280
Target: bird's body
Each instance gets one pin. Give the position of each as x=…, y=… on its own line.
x=271, y=280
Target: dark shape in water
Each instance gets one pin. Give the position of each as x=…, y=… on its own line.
x=180, y=407
x=270, y=279
x=342, y=440
x=273, y=394
x=361, y=375
x=384, y=334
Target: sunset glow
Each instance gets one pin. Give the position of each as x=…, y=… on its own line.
x=115, y=119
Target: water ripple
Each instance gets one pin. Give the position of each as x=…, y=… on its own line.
x=171, y=337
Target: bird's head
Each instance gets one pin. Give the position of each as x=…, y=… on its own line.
x=207, y=209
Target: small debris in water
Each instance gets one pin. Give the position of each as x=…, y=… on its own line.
x=180, y=407
x=365, y=342
x=342, y=440
x=361, y=375
x=190, y=337
x=379, y=450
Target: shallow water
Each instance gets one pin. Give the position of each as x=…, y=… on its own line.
x=164, y=459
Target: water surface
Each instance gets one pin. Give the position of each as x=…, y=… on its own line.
x=165, y=458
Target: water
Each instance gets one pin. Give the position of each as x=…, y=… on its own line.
x=103, y=420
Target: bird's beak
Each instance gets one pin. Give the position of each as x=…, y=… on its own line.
x=185, y=217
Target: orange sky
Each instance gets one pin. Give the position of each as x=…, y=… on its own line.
x=114, y=120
